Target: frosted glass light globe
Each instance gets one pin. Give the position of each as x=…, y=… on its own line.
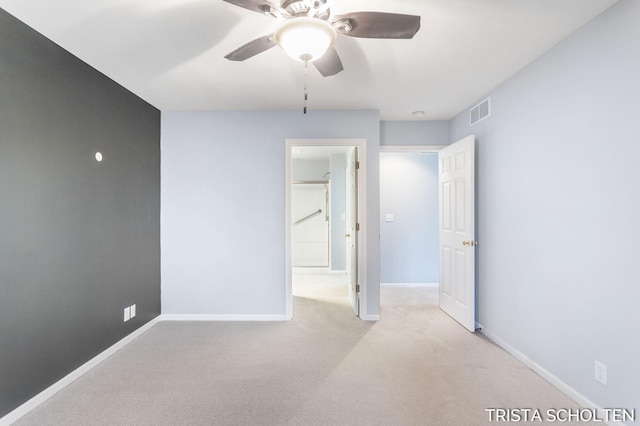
x=305, y=38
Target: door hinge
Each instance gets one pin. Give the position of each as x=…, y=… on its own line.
x=357, y=226
x=357, y=288
x=357, y=165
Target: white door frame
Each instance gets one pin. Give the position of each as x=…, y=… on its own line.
x=411, y=148
x=362, y=215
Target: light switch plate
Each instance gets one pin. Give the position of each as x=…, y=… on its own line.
x=133, y=310
x=388, y=217
x=127, y=313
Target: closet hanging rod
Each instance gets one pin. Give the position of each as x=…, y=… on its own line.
x=309, y=216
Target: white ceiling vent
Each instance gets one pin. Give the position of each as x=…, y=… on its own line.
x=480, y=111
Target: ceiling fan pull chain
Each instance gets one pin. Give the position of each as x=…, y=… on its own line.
x=306, y=95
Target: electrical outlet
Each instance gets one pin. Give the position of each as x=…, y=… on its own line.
x=133, y=310
x=601, y=373
x=127, y=313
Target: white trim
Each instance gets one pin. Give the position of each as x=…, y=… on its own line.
x=411, y=148
x=317, y=271
x=426, y=285
x=43, y=396
x=362, y=253
x=370, y=317
x=223, y=317
x=361, y=144
x=40, y=398
x=545, y=374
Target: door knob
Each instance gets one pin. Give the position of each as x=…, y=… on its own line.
x=347, y=235
x=470, y=243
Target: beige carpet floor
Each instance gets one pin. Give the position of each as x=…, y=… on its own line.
x=325, y=367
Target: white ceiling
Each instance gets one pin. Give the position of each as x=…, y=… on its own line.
x=171, y=52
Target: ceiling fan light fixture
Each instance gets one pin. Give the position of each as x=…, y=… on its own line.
x=305, y=39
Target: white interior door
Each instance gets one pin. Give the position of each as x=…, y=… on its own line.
x=351, y=235
x=457, y=232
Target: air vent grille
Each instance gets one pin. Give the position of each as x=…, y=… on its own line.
x=480, y=111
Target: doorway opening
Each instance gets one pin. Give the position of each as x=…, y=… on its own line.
x=324, y=196
x=409, y=226
x=456, y=227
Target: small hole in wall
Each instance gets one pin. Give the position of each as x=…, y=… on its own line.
x=98, y=156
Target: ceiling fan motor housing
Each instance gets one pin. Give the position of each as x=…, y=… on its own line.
x=308, y=30
x=343, y=25
x=310, y=8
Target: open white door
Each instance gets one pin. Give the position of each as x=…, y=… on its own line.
x=351, y=236
x=457, y=232
x=355, y=241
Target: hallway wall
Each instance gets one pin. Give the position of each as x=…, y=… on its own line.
x=409, y=252
x=558, y=206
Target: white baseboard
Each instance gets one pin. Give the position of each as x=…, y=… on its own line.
x=312, y=270
x=32, y=403
x=40, y=398
x=369, y=317
x=545, y=374
x=207, y=317
x=429, y=285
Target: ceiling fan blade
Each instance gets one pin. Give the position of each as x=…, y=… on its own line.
x=377, y=25
x=329, y=64
x=261, y=6
x=252, y=48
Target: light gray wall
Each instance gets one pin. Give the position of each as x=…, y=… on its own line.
x=419, y=132
x=310, y=169
x=558, y=208
x=79, y=240
x=223, y=206
x=409, y=191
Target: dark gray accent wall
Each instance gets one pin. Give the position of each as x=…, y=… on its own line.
x=79, y=239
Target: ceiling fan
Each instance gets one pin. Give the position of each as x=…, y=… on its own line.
x=309, y=30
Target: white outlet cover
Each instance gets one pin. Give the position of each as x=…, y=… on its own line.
x=601, y=373
x=133, y=310
x=388, y=217
x=127, y=313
